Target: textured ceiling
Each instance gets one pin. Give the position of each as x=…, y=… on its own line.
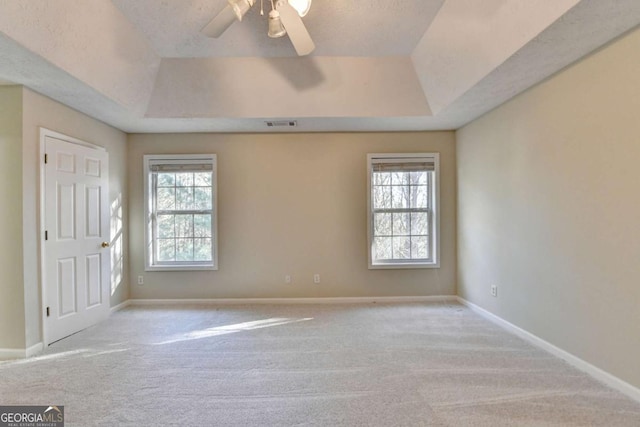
x=339, y=28
x=144, y=66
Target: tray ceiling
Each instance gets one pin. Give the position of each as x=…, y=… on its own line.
x=144, y=66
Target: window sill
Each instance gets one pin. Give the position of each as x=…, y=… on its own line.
x=403, y=266
x=181, y=268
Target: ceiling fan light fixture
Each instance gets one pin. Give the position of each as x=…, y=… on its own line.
x=301, y=6
x=283, y=19
x=241, y=7
x=276, y=29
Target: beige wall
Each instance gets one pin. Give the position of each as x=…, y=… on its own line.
x=40, y=111
x=549, y=205
x=11, y=289
x=292, y=204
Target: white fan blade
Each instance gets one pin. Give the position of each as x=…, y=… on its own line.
x=220, y=23
x=298, y=33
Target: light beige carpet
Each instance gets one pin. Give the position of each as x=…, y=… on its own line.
x=328, y=365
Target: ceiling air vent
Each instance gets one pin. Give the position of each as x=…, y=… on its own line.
x=282, y=124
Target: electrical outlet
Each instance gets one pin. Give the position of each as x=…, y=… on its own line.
x=287, y=279
x=140, y=280
x=316, y=278
x=494, y=290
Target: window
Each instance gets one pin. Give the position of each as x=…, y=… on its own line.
x=181, y=207
x=403, y=210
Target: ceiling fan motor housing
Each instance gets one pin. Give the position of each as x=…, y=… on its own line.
x=241, y=7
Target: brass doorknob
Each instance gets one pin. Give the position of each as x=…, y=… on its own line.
x=105, y=244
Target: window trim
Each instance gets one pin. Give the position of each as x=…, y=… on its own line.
x=435, y=224
x=148, y=159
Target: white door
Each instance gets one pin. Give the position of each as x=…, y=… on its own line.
x=76, y=217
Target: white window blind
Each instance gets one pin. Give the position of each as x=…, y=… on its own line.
x=180, y=167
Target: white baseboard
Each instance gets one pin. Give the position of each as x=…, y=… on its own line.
x=327, y=300
x=120, y=306
x=20, y=353
x=597, y=373
x=34, y=350
x=11, y=353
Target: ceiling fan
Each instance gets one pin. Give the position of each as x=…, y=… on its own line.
x=285, y=18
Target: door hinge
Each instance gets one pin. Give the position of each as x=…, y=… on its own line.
x=46, y=159
x=46, y=235
x=48, y=312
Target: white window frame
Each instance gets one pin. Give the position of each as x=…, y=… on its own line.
x=435, y=213
x=150, y=159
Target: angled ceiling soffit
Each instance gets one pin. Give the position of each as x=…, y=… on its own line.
x=469, y=39
x=90, y=41
x=282, y=87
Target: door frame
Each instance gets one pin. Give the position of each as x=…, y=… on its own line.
x=44, y=134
